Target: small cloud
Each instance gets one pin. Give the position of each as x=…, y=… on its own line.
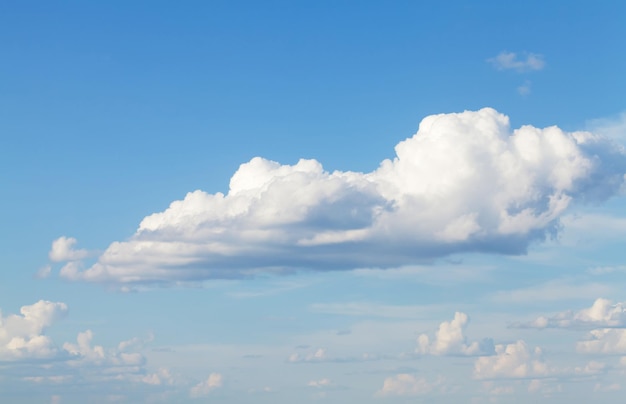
x=524, y=89
x=202, y=389
x=405, y=384
x=521, y=63
x=319, y=383
x=319, y=355
x=43, y=272
x=63, y=250
x=450, y=340
x=602, y=313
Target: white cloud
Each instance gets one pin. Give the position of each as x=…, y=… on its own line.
x=521, y=63
x=85, y=353
x=321, y=383
x=160, y=377
x=450, y=340
x=63, y=250
x=29, y=355
x=405, y=384
x=515, y=360
x=603, y=313
x=21, y=336
x=524, y=89
x=319, y=355
x=464, y=182
x=202, y=389
x=44, y=272
x=591, y=368
x=604, y=341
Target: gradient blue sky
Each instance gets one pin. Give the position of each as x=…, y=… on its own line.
x=111, y=111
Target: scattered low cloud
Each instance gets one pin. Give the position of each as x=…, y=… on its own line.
x=604, y=341
x=512, y=361
x=603, y=313
x=450, y=340
x=591, y=368
x=203, y=389
x=520, y=62
x=96, y=355
x=31, y=356
x=319, y=355
x=321, y=383
x=22, y=336
x=405, y=384
x=161, y=377
x=505, y=189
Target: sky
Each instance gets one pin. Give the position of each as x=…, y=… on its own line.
x=312, y=202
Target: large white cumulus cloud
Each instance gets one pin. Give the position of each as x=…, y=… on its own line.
x=463, y=182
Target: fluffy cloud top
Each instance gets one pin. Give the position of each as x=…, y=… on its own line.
x=449, y=340
x=463, y=182
x=512, y=61
x=21, y=336
x=512, y=361
x=603, y=313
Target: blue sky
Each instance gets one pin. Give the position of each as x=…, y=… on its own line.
x=312, y=202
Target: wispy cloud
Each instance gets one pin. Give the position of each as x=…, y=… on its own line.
x=560, y=289
x=524, y=89
x=523, y=62
x=613, y=127
x=372, y=309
